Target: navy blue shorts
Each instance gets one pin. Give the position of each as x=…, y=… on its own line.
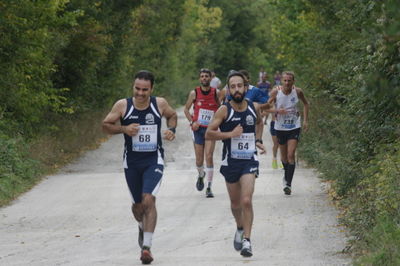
x=145, y=179
x=233, y=172
x=199, y=136
x=283, y=135
x=272, y=128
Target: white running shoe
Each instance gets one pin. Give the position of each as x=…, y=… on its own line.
x=246, y=249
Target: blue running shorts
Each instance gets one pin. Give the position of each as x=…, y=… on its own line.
x=233, y=172
x=143, y=179
x=199, y=135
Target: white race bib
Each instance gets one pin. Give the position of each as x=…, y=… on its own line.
x=289, y=120
x=205, y=116
x=146, y=139
x=243, y=147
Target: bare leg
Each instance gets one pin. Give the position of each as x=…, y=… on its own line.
x=291, y=150
x=284, y=152
x=199, y=153
x=150, y=212
x=246, y=202
x=234, y=196
x=275, y=146
x=138, y=211
x=209, y=152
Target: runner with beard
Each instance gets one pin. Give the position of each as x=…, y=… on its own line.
x=204, y=100
x=238, y=123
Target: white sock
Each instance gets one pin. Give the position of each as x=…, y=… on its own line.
x=140, y=225
x=147, y=238
x=239, y=235
x=210, y=173
x=200, y=169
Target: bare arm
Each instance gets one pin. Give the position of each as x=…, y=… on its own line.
x=111, y=123
x=259, y=128
x=219, y=96
x=222, y=95
x=272, y=96
x=213, y=133
x=306, y=108
x=188, y=105
x=170, y=114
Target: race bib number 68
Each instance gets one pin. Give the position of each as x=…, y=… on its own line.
x=146, y=139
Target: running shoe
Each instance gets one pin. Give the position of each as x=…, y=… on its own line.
x=280, y=165
x=274, y=164
x=140, y=237
x=246, y=249
x=200, y=182
x=237, y=240
x=287, y=190
x=209, y=193
x=146, y=256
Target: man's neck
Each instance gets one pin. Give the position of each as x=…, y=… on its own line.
x=239, y=107
x=287, y=90
x=141, y=105
x=205, y=88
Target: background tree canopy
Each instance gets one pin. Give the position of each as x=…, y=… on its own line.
x=61, y=60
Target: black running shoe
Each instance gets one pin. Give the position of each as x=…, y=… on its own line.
x=237, y=240
x=287, y=190
x=140, y=237
x=209, y=193
x=145, y=255
x=200, y=182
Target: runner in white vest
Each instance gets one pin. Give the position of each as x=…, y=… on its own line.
x=288, y=123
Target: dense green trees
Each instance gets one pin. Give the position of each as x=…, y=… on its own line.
x=64, y=60
x=346, y=55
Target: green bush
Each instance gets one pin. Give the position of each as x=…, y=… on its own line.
x=17, y=171
x=382, y=244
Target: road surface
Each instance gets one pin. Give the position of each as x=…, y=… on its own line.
x=81, y=216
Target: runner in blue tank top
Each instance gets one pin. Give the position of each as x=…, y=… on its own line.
x=240, y=127
x=140, y=122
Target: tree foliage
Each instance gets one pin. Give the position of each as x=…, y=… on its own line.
x=62, y=59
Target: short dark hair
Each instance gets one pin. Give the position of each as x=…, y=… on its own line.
x=245, y=73
x=146, y=75
x=234, y=73
x=205, y=70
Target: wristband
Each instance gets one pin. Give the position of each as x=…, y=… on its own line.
x=259, y=140
x=172, y=129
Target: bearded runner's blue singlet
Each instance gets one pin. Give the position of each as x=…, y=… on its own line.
x=239, y=154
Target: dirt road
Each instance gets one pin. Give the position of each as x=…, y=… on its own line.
x=81, y=216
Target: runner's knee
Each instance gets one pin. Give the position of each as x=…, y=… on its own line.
x=148, y=201
x=246, y=203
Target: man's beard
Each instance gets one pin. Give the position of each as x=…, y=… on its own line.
x=205, y=83
x=238, y=100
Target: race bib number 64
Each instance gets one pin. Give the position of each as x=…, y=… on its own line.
x=243, y=147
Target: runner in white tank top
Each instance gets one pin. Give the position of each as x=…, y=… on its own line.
x=288, y=123
x=291, y=119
